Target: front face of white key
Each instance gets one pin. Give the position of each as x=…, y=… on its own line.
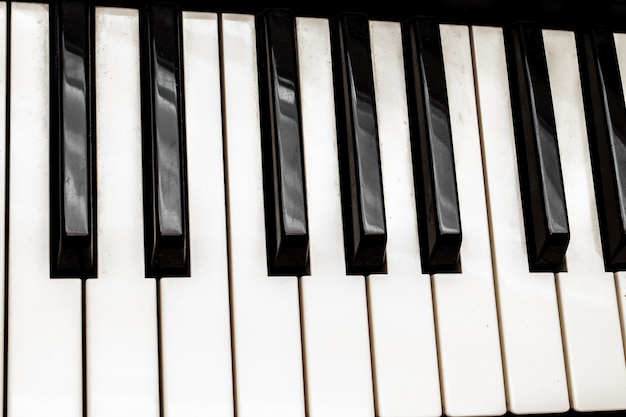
x=196, y=367
x=402, y=327
x=121, y=309
x=45, y=328
x=334, y=305
x=590, y=314
x=528, y=311
x=265, y=310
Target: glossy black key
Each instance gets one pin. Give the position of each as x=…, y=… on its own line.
x=165, y=193
x=365, y=231
x=606, y=127
x=72, y=142
x=539, y=163
x=283, y=166
x=439, y=217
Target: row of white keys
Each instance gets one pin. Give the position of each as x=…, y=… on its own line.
x=465, y=303
x=44, y=367
x=122, y=375
x=527, y=301
x=267, y=353
x=121, y=318
x=195, y=312
x=404, y=346
x=121, y=303
x=335, y=330
x=590, y=320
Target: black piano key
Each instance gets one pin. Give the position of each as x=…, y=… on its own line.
x=365, y=231
x=606, y=127
x=283, y=166
x=165, y=192
x=439, y=217
x=72, y=136
x=541, y=180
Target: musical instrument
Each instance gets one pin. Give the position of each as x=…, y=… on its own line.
x=226, y=209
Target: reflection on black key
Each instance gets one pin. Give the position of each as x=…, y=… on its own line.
x=606, y=126
x=541, y=180
x=165, y=196
x=365, y=231
x=72, y=136
x=283, y=166
x=439, y=216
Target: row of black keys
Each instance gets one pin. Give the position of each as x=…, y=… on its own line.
x=73, y=196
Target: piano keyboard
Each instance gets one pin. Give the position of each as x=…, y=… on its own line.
x=280, y=215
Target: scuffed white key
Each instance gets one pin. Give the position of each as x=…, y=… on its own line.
x=404, y=348
x=44, y=375
x=195, y=312
x=121, y=310
x=465, y=306
x=334, y=305
x=527, y=301
x=589, y=306
x=265, y=311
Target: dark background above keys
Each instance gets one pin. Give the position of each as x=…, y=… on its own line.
x=548, y=13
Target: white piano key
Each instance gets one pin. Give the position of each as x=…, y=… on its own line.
x=334, y=305
x=195, y=312
x=529, y=317
x=267, y=351
x=44, y=375
x=121, y=311
x=465, y=306
x=620, y=277
x=404, y=347
x=594, y=349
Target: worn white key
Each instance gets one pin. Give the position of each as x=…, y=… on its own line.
x=596, y=365
x=334, y=305
x=465, y=306
x=121, y=310
x=527, y=301
x=404, y=348
x=44, y=375
x=195, y=312
x=265, y=309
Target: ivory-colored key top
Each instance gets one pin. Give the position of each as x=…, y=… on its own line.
x=121, y=304
x=527, y=301
x=334, y=306
x=265, y=309
x=590, y=315
x=465, y=305
x=620, y=278
x=196, y=366
x=44, y=366
x=402, y=328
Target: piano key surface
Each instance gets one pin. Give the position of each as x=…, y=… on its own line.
x=120, y=293
x=44, y=316
x=265, y=312
x=196, y=353
x=487, y=339
x=404, y=351
x=335, y=334
x=590, y=319
x=528, y=313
